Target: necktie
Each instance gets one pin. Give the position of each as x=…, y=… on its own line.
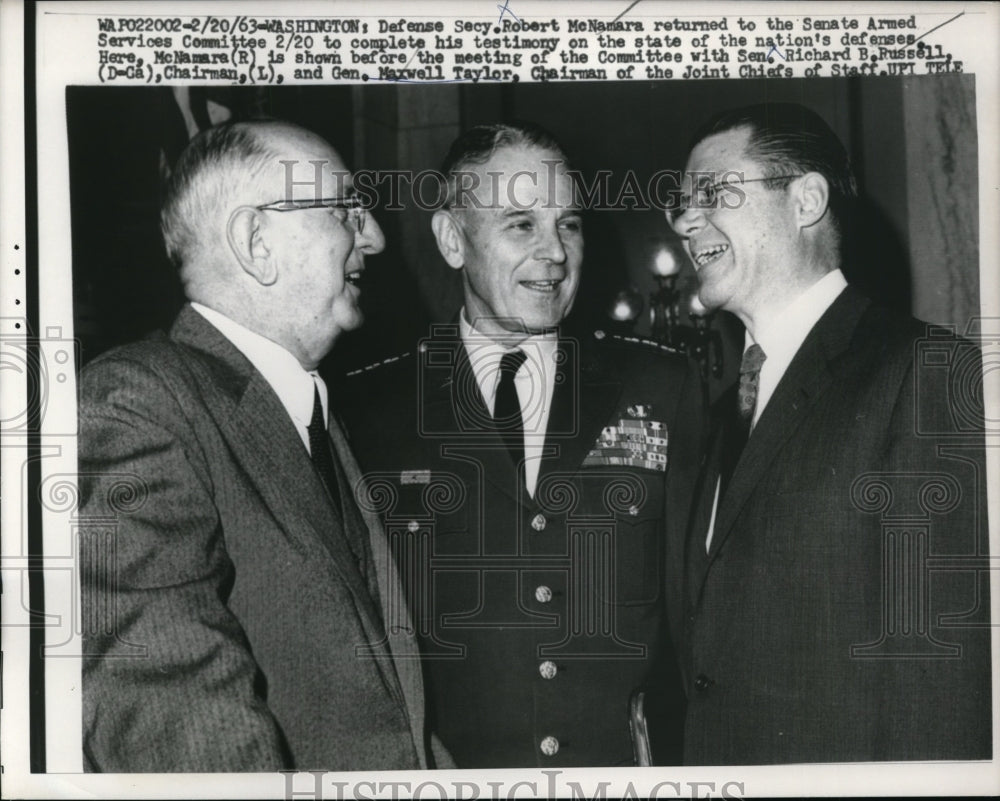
x=738, y=429
x=507, y=408
x=753, y=360
x=322, y=455
x=330, y=471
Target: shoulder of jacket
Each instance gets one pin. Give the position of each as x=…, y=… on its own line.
x=154, y=378
x=157, y=354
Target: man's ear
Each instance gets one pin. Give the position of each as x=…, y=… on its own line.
x=812, y=199
x=248, y=241
x=449, y=236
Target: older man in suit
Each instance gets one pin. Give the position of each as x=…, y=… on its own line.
x=836, y=602
x=235, y=592
x=530, y=479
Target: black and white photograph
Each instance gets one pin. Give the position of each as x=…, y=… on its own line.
x=491, y=430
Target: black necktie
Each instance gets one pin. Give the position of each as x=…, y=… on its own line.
x=330, y=470
x=738, y=426
x=507, y=408
x=322, y=455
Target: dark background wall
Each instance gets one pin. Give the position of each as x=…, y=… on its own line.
x=913, y=242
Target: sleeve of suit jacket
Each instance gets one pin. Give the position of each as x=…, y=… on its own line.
x=169, y=680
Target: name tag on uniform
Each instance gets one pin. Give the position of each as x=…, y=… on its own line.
x=415, y=477
x=631, y=443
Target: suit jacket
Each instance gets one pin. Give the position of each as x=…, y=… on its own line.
x=537, y=616
x=229, y=627
x=842, y=611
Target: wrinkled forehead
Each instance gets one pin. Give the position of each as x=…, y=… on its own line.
x=305, y=167
x=520, y=177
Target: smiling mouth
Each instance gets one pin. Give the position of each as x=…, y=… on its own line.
x=706, y=256
x=542, y=286
x=354, y=277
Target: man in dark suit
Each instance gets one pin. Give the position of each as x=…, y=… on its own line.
x=836, y=603
x=235, y=594
x=529, y=479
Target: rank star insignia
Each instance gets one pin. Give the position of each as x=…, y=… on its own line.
x=640, y=411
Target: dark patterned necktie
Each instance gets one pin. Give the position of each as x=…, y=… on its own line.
x=753, y=360
x=507, y=408
x=321, y=453
x=737, y=429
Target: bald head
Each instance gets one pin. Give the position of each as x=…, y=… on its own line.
x=222, y=167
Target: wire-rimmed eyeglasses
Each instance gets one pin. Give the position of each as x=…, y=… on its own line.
x=706, y=196
x=354, y=213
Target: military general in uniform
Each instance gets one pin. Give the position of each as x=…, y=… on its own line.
x=531, y=483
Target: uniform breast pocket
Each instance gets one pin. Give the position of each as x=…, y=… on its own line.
x=639, y=559
x=418, y=507
x=618, y=545
x=454, y=533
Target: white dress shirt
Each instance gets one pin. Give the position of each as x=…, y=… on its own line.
x=780, y=338
x=293, y=385
x=534, y=383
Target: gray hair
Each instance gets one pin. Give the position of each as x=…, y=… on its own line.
x=218, y=165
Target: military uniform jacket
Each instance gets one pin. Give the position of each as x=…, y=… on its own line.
x=229, y=627
x=842, y=611
x=537, y=616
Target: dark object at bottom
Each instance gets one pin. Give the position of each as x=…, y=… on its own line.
x=656, y=726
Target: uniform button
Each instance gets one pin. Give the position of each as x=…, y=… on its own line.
x=549, y=746
x=702, y=682
x=548, y=669
x=543, y=594
x=538, y=522
x=633, y=510
x=413, y=527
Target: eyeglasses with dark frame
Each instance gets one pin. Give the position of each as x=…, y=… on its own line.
x=355, y=213
x=707, y=196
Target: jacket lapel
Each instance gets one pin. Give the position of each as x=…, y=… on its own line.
x=266, y=445
x=806, y=378
x=380, y=637
x=454, y=409
x=583, y=399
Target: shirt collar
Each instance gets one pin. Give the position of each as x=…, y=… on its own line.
x=474, y=339
x=293, y=385
x=783, y=335
x=485, y=355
